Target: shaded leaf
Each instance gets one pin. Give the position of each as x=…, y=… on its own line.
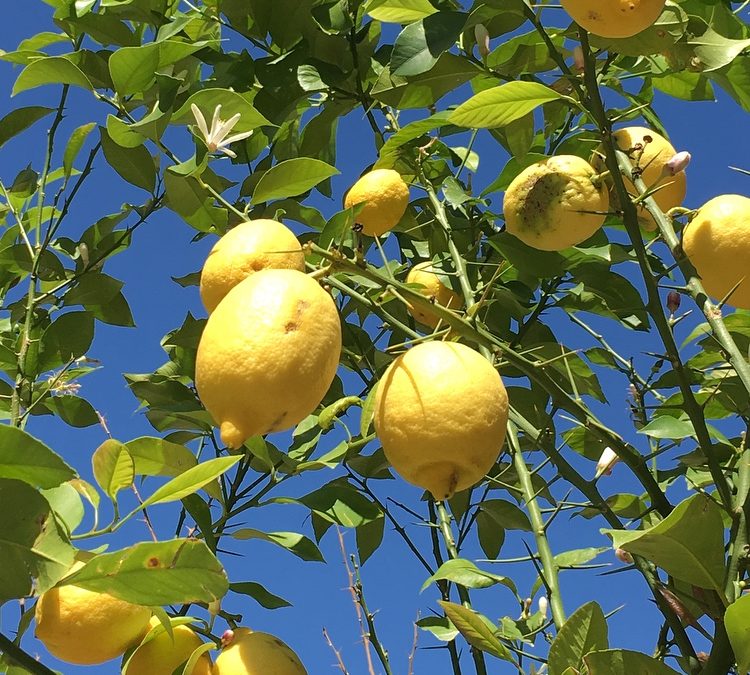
x=25, y=458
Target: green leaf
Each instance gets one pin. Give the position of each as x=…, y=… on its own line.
x=716, y=51
x=71, y=409
x=25, y=458
x=157, y=457
x=65, y=501
x=392, y=148
x=259, y=593
x=66, y=339
x=419, y=45
x=506, y=514
x=164, y=573
x=50, y=70
x=135, y=165
x=292, y=177
x=299, y=544
x=113, y=467
x=501, y=105
x=584, y=631
x=668, y=427
x=188, y=198
x=466, y=573
x=624, y=662
x=191, y=480
x=688, y=544
x=477, y=629
x=737, y=623
x=75, y=143
x=22, y=118
x=399, y=11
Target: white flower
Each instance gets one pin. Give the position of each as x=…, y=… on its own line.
x=483, y=39
x=543, y=606
x=678, y=163
x=608, y=459
x=216, y=137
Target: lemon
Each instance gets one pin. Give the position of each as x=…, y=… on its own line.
x=385, y=196
x=86, y=627
x=440, y=414
x=249, y=247
x=433, y=289
x=649, y=152
x=268, y=354
x=555, y=203
x=717, y=241
x=255, y=653
x=614, y=18
x=162, y=654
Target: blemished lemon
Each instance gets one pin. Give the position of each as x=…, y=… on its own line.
x=247, y=248
x=717, y=242
x=441, y=411
x=162, y=654
x=433, y=289
x=649, y=152
x=254, y=653
x=556, y=203
x=268, y=354
x=85, y=627
x=614, y=18
x=386, y=197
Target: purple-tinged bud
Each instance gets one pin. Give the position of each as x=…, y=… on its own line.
x=482, y=37
x=678, y=163
x=607, y=460
x=227, y=637
x=623, y=556
x=673, y=301
x=578, y=61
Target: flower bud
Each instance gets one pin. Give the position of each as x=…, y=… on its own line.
x=608, y=459
x=623, y=556
x=543, y=606
x=673, y=301
x=578, y=61
x=227, y=637
x=483, y=39
x=678, y=163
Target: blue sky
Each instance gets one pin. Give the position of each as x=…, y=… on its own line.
x=392, y=578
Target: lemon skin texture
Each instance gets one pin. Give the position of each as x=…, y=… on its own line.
x=434, y=290
x=86, y=628
x=555, y=203
x=268, y=354
x=256, y=653
x=440, y=413
x=614, y=18
x=247, y=248
x=163, y=654
x=717, y=242
x=385, y=196
x=651, y=159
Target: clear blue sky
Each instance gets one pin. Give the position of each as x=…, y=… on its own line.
x=392, y=577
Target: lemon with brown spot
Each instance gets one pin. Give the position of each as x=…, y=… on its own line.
x=249, y=247
x=556, y=203
x=385, y=196
x=717, y=242
x=248, y=652
x=441, y=411
x=426, y=276
x=268, y=354
x=649, y=153
x=614, y=18
x=162, y=653
x=86, y=627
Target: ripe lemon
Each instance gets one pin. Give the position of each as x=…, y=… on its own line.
x=614, y=18
x=555, y=203
x=440, y=414
x=649, y=152
x=386, y=197
x=253, y=653
x=85, y=627
x=717, y=241
x=434, y=290
x=249, y=247
x=164, y=653
x=268, y=354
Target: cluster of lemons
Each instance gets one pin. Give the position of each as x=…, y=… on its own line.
x=88, y=628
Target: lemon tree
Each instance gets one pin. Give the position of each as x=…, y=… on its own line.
x=440, y=300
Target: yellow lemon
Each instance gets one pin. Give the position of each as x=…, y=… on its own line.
x=268, y=354
x=649, y=152
x=254, y=653
x=385, y=196
x=249, y=247
x=85, y=627
x=434, y=290
x=162, y=654
x=440, y=413
x=614, y=18
x=717, y=241
x=555, y=203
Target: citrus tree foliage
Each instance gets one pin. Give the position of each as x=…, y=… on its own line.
x=433, y=84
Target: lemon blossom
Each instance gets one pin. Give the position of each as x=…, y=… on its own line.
x=216, y=138
x=607, y=460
